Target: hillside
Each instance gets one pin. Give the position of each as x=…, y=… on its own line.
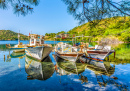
x=115, y=28
x=10, y=35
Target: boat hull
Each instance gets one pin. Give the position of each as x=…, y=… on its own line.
x=39, y=53
x=69, y=56
x=19, y=50
x=98, y=54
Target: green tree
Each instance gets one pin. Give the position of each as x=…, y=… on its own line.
x=20, y=7
x=89, y=10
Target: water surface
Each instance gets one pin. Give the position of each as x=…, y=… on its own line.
x=54, y=74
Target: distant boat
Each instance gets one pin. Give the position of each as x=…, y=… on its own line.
x=68, y=52
x=18, y=47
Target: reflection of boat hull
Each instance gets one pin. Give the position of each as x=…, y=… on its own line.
x=98, y=67
x=98, y=54
x=67, y=67
x=39, y=70
x=69, y=56
x=38, y=53
x=17, y=55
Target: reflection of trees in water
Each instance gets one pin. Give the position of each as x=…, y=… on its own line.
x=105, y=69
x=3, y=47
x=117, y=60
x=22, y=7
x=104, y=82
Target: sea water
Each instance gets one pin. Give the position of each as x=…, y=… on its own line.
x=26, y=74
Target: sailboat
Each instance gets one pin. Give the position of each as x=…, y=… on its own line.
x=18, y=47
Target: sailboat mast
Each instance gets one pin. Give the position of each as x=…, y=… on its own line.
x=18, y=36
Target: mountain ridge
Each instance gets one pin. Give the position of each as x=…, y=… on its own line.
x=11, y=35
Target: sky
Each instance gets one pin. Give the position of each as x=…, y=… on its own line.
x=48, y=17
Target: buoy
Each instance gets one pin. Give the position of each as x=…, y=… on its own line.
x=56, y=67
x=114, y=77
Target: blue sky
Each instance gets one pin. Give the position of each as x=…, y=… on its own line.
x=48, y=17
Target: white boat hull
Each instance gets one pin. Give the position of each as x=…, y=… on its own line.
x=69, y=56
x=38, y=53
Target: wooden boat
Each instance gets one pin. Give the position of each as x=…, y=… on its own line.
x=37, y=49
x=20, y=47
x=100, y=52
x=17, y=48
x=68, y=52
x=39, y=53
x=39, y=70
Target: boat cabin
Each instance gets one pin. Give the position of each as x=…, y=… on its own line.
x=36, y=40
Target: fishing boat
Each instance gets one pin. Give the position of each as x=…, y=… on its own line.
x=68, y=52
x=20, y=47
x=37, y=49
x=39, y=70
x=100, y=52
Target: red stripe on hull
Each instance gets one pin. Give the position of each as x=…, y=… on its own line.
x=98, y=52
x=95, y=59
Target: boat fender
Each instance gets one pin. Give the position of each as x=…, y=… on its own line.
x=56, y=67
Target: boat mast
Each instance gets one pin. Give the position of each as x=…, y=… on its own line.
x=18, y=37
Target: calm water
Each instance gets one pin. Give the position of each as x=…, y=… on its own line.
x=54, y=74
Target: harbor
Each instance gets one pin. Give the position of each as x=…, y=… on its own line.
x=25, y=71
x=65, y=45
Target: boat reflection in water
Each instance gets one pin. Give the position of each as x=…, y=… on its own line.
x=98, y=67
x=64, y=67
x=103, y=72
x=15, y=55
x=39, y=70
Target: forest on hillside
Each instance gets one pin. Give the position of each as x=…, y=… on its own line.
x=10, y=35
x=117, y=28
